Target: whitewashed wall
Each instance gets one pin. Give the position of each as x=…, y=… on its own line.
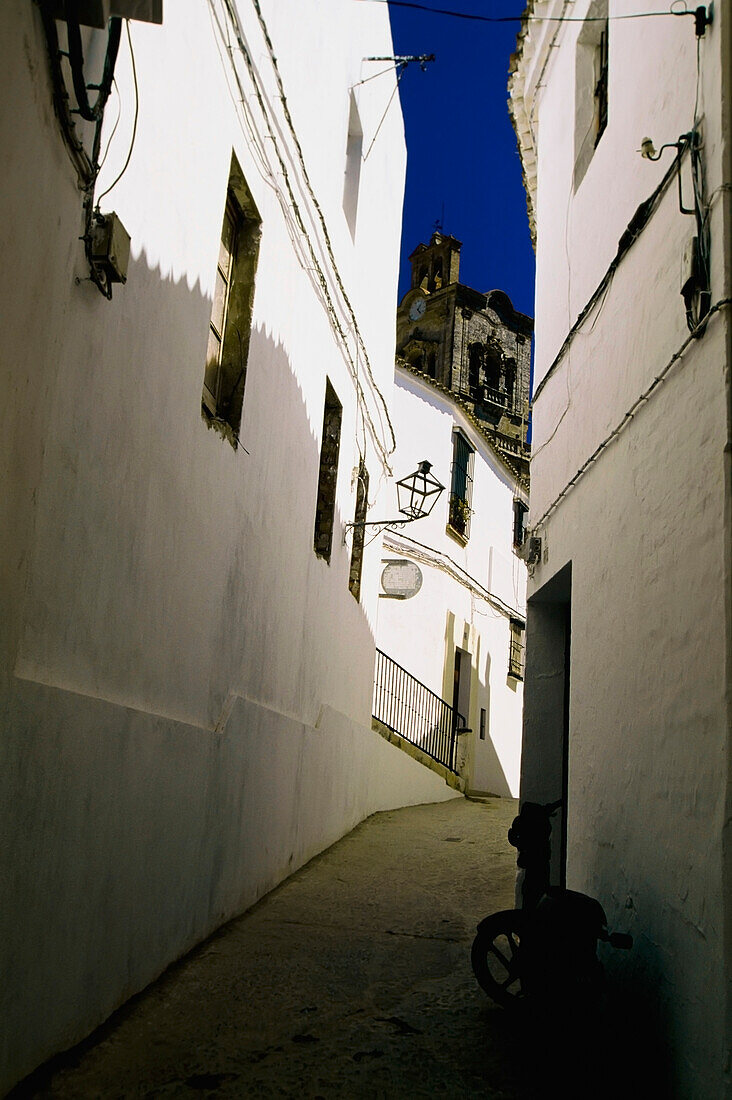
x=186, y=686
x=646, y=529
x=452, y=609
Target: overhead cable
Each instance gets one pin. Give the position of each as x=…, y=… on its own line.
x=134, y=124
x=522, y=18
x=321, y=217
x=86, y=163
x=632, y=411
x=440, y=560
x=290, y=206
x=632, y=231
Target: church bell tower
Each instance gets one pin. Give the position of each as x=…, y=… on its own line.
x=436, y=264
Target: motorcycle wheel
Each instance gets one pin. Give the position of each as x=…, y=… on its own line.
x=495, y=956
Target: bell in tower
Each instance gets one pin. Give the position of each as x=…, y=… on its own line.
x=436, y=264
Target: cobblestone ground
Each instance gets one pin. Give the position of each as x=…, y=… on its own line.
x=351, y=980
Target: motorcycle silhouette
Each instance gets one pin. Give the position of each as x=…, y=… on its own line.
x=547, y=950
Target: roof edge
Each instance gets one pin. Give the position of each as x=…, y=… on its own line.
x=469, y=415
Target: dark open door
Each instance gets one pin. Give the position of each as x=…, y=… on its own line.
x=546, y=740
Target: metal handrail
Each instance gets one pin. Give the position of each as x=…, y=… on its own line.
x=412, y=710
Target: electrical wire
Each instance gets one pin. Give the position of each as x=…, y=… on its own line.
x=632, y=411
x=523, y=18
x=382, y=72
x=386, y=110
x=697, y=303
x=321, y=217
x=291, y=201
x=114, y=128
x=134, y=124
x=632, y=232
x=85, y=168
x=86, y=163
x=291, y=209
x=437, y=558
x=91, y=112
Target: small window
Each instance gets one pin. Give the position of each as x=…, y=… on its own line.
x=231, y=314
x=601, y=83
x=461, y=487
x=359, y=531
x=591, y=88
x=516, y=653
x=509, y=381
x=475, y=366
x=328, y=475
x=520, y=511
x=492, y=361
x=354, y=148
x=482, y=723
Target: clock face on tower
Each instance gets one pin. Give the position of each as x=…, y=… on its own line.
x=417, y=308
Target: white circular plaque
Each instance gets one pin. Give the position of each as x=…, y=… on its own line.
x=401, y=578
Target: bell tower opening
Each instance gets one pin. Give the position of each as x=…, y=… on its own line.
x=436, y=264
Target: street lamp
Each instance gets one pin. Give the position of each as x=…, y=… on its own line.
x=417, y=495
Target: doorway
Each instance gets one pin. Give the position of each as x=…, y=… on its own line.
x=546, y=737
x=461, y=686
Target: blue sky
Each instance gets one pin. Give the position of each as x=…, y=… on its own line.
x=461, y=146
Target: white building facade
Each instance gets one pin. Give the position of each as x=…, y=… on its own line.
x=187, y=663
x=628, y=624
x=461, y=632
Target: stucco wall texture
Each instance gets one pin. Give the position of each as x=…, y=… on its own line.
x=646, y=528
x=186, y=687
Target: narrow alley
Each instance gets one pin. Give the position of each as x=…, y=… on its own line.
x=352, y=979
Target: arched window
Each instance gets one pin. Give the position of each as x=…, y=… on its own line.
x=437, y=273
x=510, y=379
x=492, y=369
x=423, y=278
x=475, y=364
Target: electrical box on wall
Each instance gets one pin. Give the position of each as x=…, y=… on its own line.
x=97, y=13
x=110, y=247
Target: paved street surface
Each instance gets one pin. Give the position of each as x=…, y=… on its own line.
x=351, y=980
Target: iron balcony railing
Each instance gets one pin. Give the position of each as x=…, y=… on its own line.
x=409, y=708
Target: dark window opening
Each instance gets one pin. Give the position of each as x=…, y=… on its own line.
x=516, y=652
x=601, y=86
x=509, y=380
x=328, y=476
x=432, y=365
x=224, y=377
x=461, y=688
x=437, y=274
x=482, y=723
x=520, y=511
x=493, y=372
x=461, y=488
x=475, y=366
x=547, y=717
x=359, y=531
